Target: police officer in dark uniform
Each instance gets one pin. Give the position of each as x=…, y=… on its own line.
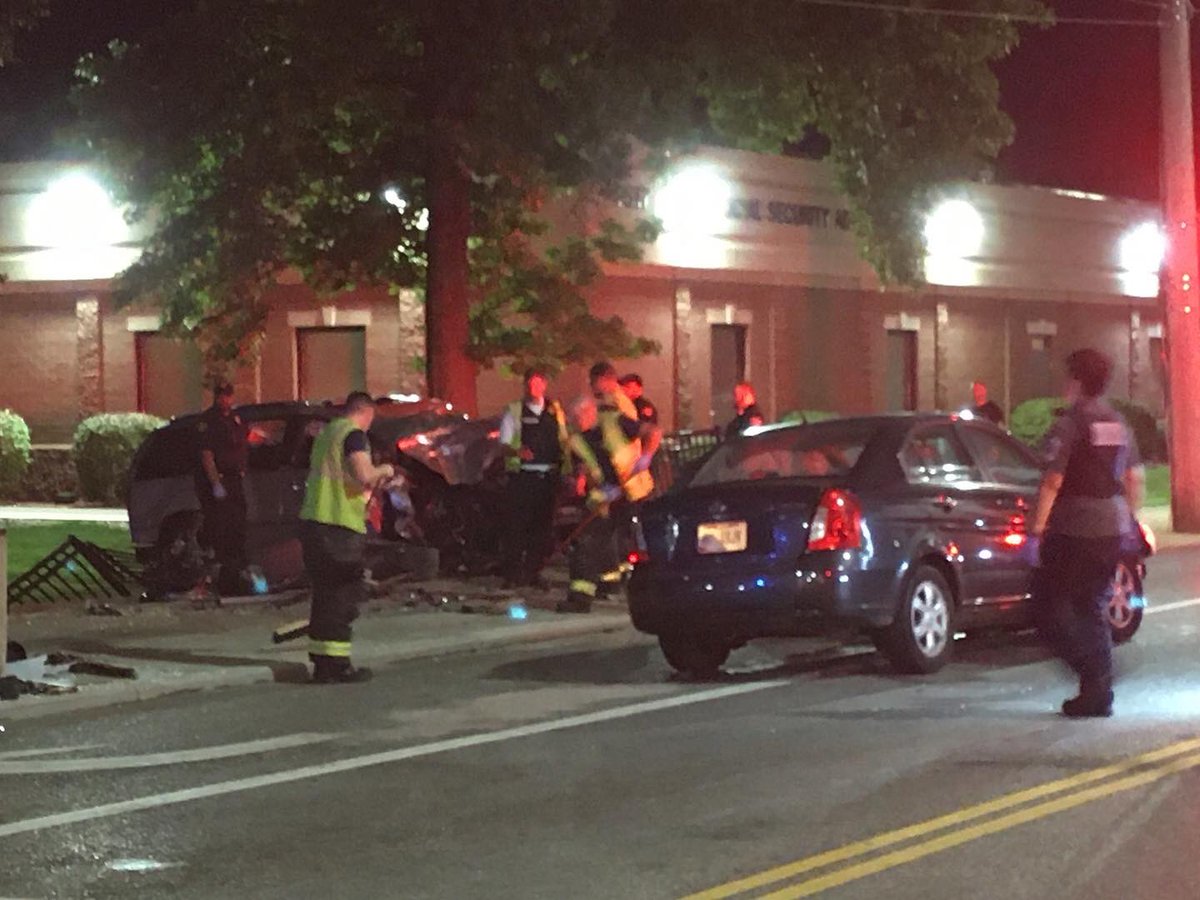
x=533, y=432
x=1086, y=508
x=982, y=407
x=745, y=405
x=224, y=453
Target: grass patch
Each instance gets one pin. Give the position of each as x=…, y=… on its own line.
x=29, y=542
x=1158, y=485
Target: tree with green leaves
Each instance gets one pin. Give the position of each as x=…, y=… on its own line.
x=416, y=143
x=17, y=16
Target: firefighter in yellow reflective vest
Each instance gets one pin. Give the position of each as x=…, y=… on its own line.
x=333, y=532
x=533, y=432
x=614, y=448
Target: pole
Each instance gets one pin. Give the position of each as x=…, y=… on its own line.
x=3, y=597
x=1180, y=265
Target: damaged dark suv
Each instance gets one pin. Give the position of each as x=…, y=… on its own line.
x=446, y=458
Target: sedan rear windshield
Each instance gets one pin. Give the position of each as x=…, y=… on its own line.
x=822, y=450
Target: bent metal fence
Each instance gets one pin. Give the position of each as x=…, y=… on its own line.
x=77, y=570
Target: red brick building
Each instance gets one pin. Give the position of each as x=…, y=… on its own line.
x=757, y=276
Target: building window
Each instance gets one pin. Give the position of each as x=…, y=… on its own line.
x=170, y=375
x=728, y=344
x=330, y=362
x=901, y=373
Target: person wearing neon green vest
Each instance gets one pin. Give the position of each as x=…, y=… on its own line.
x=333, y=534
x=533, y=432
x=615, y=448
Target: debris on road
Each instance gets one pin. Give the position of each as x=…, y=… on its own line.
x=52, y=673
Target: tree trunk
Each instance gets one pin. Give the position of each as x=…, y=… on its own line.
x=451, y=373
x=448, y=297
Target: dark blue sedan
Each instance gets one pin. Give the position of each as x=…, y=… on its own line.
x=907, y=528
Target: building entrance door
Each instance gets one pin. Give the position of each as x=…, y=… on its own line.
x=901, y=372
x=170, y=375
x=331, y=362
x=728, y=368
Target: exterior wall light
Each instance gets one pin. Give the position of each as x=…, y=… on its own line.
x=1140, y=255
x=74, y=212
x=1143, y=248
x=954, y=233
x=693, y=200
x=954, y=230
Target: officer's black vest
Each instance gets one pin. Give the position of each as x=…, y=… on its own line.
x=540, y=435
x=1097, y=460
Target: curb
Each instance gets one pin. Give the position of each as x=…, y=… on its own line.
x=101, y=695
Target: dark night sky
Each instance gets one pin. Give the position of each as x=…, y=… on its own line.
x=1084, y=98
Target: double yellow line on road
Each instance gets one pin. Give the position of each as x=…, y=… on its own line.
x=956, y=828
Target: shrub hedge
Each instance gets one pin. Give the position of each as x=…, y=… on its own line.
x=103, y=448
x=1033, y=418
x=15, y=452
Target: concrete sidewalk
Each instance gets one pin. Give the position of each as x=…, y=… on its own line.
x=1159, y=520
x=176, y=647
x=33, y=512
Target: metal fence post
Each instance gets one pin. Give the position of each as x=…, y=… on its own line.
x=3, y=597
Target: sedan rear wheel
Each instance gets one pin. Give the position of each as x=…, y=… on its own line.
x=1125, y=602
x=920, y=639
x=695, y=655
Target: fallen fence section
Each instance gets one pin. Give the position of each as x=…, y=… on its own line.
x=77, y=570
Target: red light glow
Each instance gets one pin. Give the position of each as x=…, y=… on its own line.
x=836, y=524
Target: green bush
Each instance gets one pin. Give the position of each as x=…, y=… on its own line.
x=808, y=415
x=1033, y=418
x=15, y=452
x=104, y=448
x=1152, y=443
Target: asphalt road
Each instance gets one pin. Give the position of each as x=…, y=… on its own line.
x=584, y=769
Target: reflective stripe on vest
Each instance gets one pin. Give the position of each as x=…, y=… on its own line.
x=332, y=496
x=516, y=409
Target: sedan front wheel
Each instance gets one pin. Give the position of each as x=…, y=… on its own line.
x=921, y=638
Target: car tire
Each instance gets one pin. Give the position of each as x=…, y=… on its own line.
x=920, y=639
x=177, y=563
x=1124, y=606
x=698, y=656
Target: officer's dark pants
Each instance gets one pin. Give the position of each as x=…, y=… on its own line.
x=1071, y=592
x=224, y=529
x=595, y=552
x=529, y=535
x=333, y=558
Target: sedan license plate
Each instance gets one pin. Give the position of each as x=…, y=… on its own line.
x=721, y=537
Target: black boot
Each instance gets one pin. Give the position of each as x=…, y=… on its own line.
x=574, y=604
x=327, y=670
x=1090, y=704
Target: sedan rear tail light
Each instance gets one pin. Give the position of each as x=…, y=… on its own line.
x=1016, y=535
x=836, y=523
